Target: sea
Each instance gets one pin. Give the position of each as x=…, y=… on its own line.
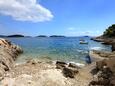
x=66, y=49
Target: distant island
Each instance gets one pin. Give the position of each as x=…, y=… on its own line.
x=16, y=35
x=56, y=36
x=3, y=36
x=42, y=36
x=20, y=35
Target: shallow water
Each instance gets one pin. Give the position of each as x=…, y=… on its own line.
x=66, y=49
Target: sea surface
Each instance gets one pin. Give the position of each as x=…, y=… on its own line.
x=57, y=48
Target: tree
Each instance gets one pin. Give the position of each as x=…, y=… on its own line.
x=110, y=31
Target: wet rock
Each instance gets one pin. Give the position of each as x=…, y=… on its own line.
x=69, y=72
x=73, y=65
x=60, y=64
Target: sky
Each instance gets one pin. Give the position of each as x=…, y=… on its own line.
x=56, y=17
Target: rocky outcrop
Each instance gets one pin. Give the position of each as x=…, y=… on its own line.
x=104, y=54
x=8, y=54
x=104, y=73
x=106, y=41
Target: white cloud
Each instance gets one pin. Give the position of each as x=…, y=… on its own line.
x=71, y=28
x=25, y=10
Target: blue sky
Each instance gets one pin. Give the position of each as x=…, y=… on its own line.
x=61, y=17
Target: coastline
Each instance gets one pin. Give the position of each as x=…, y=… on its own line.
x=46, y=73
x=104, y=40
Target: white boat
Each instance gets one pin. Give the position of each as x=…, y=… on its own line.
x=83, y=42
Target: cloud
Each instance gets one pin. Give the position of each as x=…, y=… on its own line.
x=25, y=10
x=71, y=28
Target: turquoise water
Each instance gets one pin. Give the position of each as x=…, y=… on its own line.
x=65, y=49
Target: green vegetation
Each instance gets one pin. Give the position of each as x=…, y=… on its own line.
x=110, y=32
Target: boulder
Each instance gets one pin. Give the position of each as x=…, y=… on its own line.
x=69, y=72
x=105, y=74
x=60, y=64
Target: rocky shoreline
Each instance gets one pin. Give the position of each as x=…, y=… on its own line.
x=105, y=69
x=8, y=54
x=47, y=73
x=106, y=41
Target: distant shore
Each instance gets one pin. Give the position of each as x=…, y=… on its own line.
x=20, y=35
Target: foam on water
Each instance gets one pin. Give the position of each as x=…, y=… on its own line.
x=78, y=64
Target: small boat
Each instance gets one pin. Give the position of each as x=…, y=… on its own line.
x=83, y=42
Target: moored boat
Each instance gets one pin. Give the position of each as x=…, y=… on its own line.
x=83, y=42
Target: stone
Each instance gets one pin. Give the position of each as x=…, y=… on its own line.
x=60, y=64
x=69, y=72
